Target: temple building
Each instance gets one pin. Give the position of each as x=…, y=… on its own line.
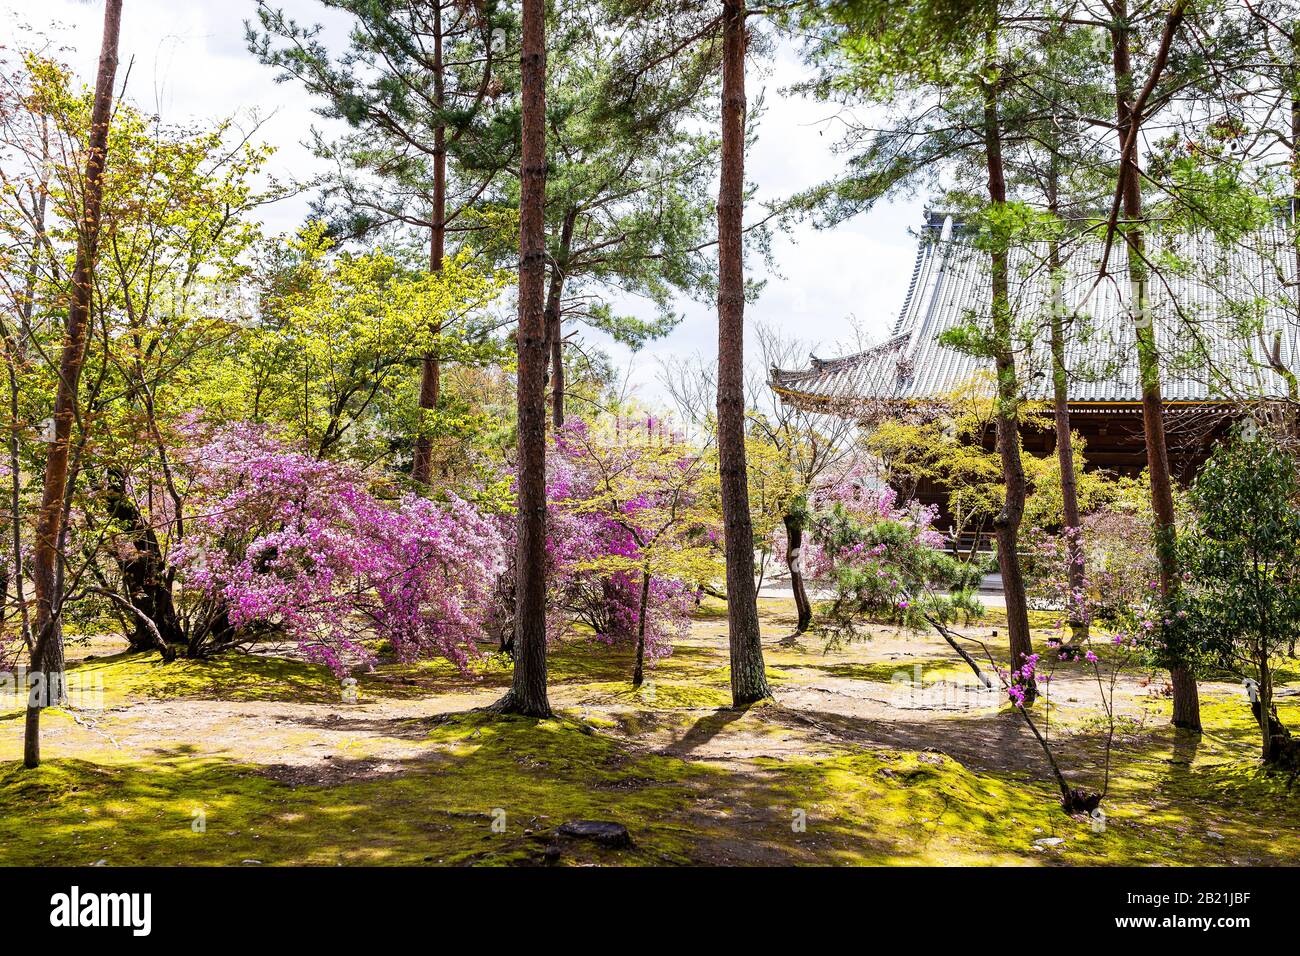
x=1224, y=313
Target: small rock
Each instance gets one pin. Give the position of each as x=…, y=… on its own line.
x=1049, y=841
x=604, y=832
x=1214, y=835
x=100, y=863
x=551, y=854
x=251, y=862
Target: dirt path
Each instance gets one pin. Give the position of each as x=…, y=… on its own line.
x=898, y=690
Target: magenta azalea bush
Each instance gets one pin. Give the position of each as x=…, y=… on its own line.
x=621, y=504
x=1120, y=587
x=291, y=544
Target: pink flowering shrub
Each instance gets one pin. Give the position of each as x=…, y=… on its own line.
x=290, y=544
x=611, y=605
x=570, y=540
x=1119, y=597
x=860, y=497
x=1038, y=671
x=628, y=506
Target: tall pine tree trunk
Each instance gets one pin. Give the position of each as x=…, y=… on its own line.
x=1074, y=551
x=1293, y=391
x=1006, y=525
x=430, y=363
x=527, y=694
x=748, y=675
x=1187, y=708
x=47, y=649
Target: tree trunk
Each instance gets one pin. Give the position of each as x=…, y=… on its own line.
x=557, y=353
x=47, y=651
x=527, y=694
x=1007, y=524
x=638, y=672
x=748, y=674
x=1264, y=716
x=1187, y=709
x=430, y=364
x=1295, y=152
x=555, y=318
x=794, y=562
x=1074, y=550
x=144, y=575
x=1293, y=385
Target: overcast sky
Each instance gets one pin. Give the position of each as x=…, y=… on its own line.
x=189, y=62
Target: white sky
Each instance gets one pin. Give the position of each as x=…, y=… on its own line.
x=189, y=62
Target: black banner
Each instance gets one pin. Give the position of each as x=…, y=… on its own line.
x=338, y=905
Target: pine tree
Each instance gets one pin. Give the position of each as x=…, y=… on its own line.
x=527, y=694
x=748, y=674
x=421, y=83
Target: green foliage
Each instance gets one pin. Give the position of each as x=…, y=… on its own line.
x=885, y=566
x=1242, y=554
x=948, y=450
x=884, y=44
x=336, y=339
x=395, y=91
x=631, y=166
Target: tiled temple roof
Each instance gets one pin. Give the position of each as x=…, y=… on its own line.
x=1215, y=306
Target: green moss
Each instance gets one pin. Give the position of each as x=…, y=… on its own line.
x=111, y=681
x=657, y=694
x=872, y=806
x=907, y=807
x=540, y=773
x=682, y=804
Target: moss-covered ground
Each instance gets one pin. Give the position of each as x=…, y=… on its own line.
x=875, y=753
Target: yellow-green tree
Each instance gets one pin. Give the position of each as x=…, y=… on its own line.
x=329, y=352
x=661, y=493
x=946, y=447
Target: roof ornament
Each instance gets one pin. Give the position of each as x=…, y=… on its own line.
x=946, y=233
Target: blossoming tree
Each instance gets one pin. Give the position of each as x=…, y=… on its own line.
x=643, y=521
x=277, y=541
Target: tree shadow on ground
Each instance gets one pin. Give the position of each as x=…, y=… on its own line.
x=998, y=742
x=705, y=729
